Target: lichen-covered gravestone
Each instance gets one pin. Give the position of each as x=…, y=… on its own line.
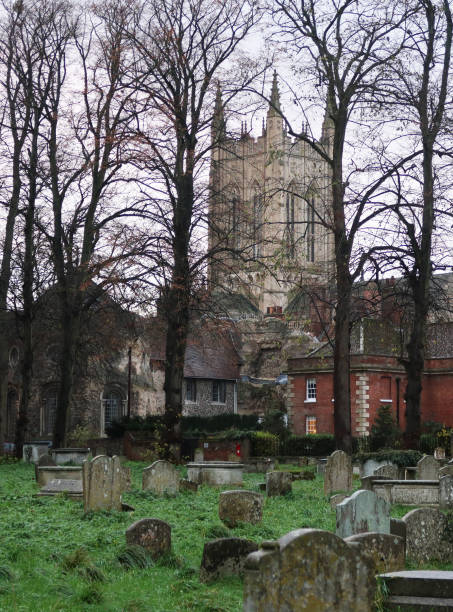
x=161, y=478
x=240, y=506
x=427, y=468
x=426, y=537
x=364, y=511
x=102, y=483
x=278, y=483
x=309, y=569
x=224, y=557
x=152, y=534
x=446, y=492
x=386, y=550
x=338, y=474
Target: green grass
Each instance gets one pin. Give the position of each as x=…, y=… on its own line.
x=55, y=558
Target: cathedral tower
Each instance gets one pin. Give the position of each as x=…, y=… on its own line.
x=268, y=211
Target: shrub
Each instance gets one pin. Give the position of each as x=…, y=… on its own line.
x=428, y=442
x=265, y=444
x=310, y=444
x=401, y=458
x=384, y=431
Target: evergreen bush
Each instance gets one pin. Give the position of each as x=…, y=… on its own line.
x=384, y=431
x=264, y=444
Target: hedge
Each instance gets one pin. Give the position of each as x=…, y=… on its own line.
x=310, y=444
x=400, y=458
x=264, y=444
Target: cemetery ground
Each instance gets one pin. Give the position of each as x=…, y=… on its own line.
x=53, y=557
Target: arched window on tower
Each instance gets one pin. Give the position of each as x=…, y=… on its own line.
x=257, y=221
x=290, y=220
x=113, y=407
x=310, y=231
x=49, y=410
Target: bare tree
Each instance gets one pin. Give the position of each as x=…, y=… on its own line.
x=181, y=47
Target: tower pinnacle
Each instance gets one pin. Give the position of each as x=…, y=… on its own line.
x=218, y=119
x=274, y=103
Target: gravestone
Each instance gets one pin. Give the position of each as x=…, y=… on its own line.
x=225, y=557
x=386, y=550
x=102, y=483
x=446, y=492
x=439, y=453
x=187, y=485
x=161, y=478
x=398, y=528
x=309, y=569
x=198, y=455
x=45, y=461
x=278, y=483
x=338, y=474
x=364, y=511
x=126, y=478
x=446, y=470
x=427, y=468
x=387, y=471
x=425, y=536
x=337, y=499
x=152, y=534
x=240, y=506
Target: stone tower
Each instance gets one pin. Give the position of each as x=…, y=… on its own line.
x=268, y=211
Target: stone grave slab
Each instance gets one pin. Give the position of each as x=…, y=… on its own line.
x=309, y=569
x=240, y=506
x=278, y=483
x=363, y=512
x=338, y=474
x=386, y=550
x=72, y=487
x=426, y=539
x=427, y=468
x=225, y=557
x=152, y=534
x=161, y=478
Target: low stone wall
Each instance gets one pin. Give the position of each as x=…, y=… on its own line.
x=407, y=492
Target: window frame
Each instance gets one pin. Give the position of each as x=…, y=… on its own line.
x=191, y=383
x=104, y=399
x=218, y=392
x=311, y=390
x=309, y=421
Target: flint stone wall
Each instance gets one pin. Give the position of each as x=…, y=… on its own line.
x=240, y=506
x=308, y=569
x=161, y=478
x=363, y=512
x=338, y=474
x=225, y=557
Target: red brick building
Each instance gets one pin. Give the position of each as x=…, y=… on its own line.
x=377, y=378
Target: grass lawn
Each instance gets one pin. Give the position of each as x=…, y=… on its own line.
x=53, y=557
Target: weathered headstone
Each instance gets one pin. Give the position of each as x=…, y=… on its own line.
x=161, y=478
x=338, y=474
x=278, y=483
x=126, y=478
x=425, y=536
x=152, y=534
x=387, y=471
x=240, y=506
x=446, y=492
x=225, y=557
x=198, y=455
x=439, y=453
x=364, y=511
x=386, y=550
x=337, y=499
x=398, y=528
x=102, y=483
x=446, y=470
x=309, y=569
x=427, y=468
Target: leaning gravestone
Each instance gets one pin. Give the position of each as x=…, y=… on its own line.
x=386, y=550
x=161, y=478
x=102, y=483
x=364, y=511
x=338, y=474
x=240, y=506
x=152, y=534
x=425, y=536
x=387, y=471
x=446, y=492
x=309, y=569
x=427, y=468
x=225, y=557
x=278, y=483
